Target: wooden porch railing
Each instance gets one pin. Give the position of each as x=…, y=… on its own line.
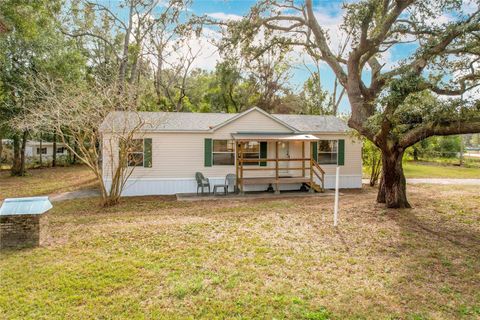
x=318, y=171
x=313, y=168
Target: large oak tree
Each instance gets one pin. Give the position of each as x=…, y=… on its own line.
x=441, y=45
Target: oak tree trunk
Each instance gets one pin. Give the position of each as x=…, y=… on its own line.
x=16, y=166
x=41, y=146
x=1, y=150
x=393, y=187
x=415, y=153
x=22, y=153
x=54, y=154
x=75, y=147
x=375, y=170
x=126, y=44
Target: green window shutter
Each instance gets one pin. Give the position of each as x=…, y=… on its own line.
x=315, y=150
x=263, y=153
x=341, y=152
x=208, y=152
x=147, y=153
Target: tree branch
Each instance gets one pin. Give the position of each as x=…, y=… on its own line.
x=439, y=129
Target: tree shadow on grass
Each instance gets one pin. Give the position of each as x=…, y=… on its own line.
x=439, y=276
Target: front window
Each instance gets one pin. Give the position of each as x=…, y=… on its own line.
x=251, y=150
x=135, y=153
x=61, y=150
x=41, y=150
x=223, y=152
x=327, y=151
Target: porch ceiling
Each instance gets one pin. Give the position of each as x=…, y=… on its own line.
x=273, y=137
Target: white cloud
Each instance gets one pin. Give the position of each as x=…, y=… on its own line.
x=469, y=6
x=331, y=23
x=208, y=54
x=222, y=16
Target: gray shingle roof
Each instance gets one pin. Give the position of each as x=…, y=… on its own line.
x=166, y=121
x=188, y=121
x=311, y=123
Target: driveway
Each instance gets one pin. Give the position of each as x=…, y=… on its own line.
x=77, y=194
x=445, y=181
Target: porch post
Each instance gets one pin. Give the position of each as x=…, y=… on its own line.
x=242, y=186
x=303, y=158
x=236, y=167
x=277, y=190
x=311, y=167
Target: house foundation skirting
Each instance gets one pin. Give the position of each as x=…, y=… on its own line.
x=170, y=186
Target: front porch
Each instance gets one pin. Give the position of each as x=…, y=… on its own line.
x=278, y=167
x=253, y=195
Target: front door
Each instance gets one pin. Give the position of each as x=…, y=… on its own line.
x=283, y=153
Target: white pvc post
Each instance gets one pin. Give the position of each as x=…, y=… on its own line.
x=335, y=209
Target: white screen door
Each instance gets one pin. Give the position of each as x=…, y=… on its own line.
x=283, y=153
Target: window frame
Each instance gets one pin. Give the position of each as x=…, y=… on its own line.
x=41, y=150
x=259, y=151
x=223, y=152
x=327, y=152
x=142, y=164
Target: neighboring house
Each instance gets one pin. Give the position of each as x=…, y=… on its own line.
x=33, y=149
x=7, y=151
x=275, y=149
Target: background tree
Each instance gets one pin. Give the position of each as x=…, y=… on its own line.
x=270, y=72
x=372, y=159
x=76, y=112
x=317, y=100
x=445, y=63
x=228, y=80
x=31, y=48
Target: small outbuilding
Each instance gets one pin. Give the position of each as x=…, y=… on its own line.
x=20, y=221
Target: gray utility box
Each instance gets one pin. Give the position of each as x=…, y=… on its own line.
x=20, y=221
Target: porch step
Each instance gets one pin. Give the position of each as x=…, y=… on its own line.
x=315, y=187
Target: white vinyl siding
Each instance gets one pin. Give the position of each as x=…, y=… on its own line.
x=253, y=121
x=180, y=155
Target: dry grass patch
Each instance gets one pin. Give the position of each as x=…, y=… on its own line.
x=46, y=181
x=153, y=257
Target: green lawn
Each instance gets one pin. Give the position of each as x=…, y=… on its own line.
x=425, y=170
x=45, y=181
x=155, y=258
x=433, y=170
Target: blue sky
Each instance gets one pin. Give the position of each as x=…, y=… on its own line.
x=329, y=15
x=331, y=10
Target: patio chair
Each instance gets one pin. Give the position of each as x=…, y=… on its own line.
x=202, y=182
x=230, y=180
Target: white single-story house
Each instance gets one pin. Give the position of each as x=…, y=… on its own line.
x=283, y=151
x=34, y=148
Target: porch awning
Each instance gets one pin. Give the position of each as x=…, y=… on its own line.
x=273, y=137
